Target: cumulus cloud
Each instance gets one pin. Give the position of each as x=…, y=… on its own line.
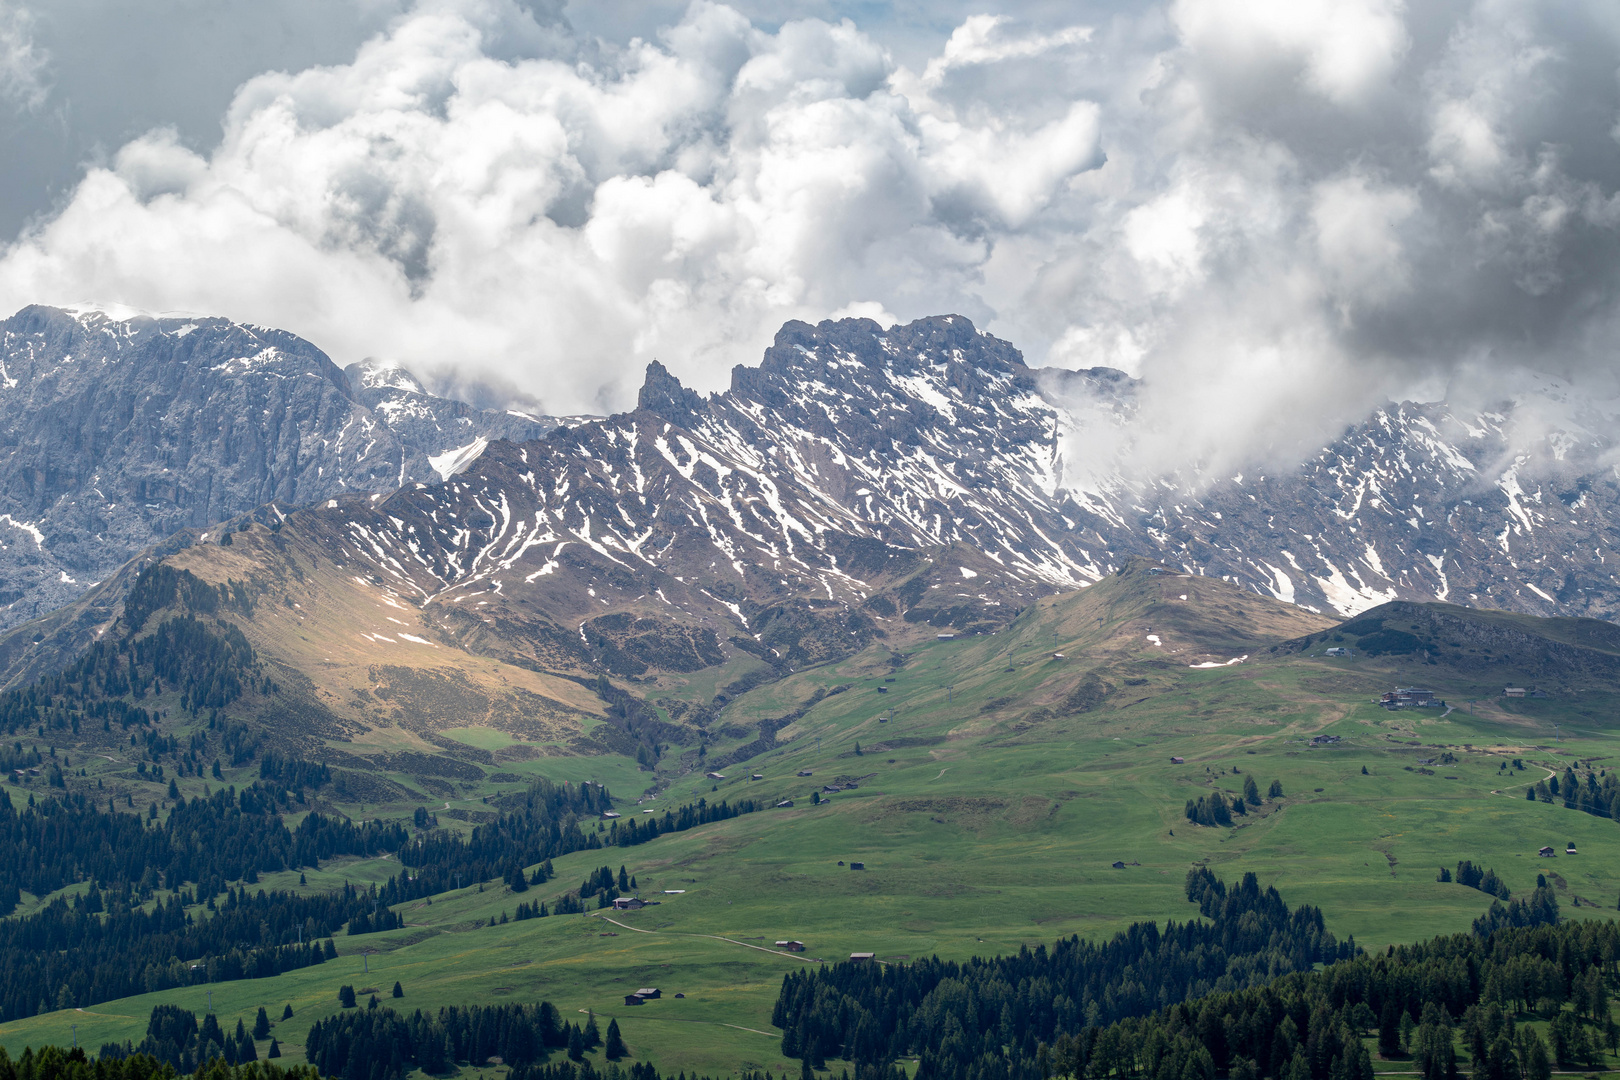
x=1275, y=214
x=486, y=199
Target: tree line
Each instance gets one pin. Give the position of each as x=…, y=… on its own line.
x=57, y=1063
x=872, y=1014
x=1422, y=1000
x=381, y=1044
x=631, y=831
x=1140, y=1008
x=208, y=662
x=209, y=840
x=105, y=945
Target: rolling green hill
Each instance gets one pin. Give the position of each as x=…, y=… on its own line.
x=989, y=785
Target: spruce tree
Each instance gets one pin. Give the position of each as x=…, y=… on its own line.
x=286, y=1013
x=593, y=1034
x=576, y=1044
x=346, y=996
x=261, y=1024
x=275, y=1050
x=1251, y=791
x=399, y=991
x=1275, y=791
x=1389, y=1031
x=614, y=1049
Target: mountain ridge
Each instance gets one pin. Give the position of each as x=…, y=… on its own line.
x=123, y=428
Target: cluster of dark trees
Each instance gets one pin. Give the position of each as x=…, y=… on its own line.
x=210, y=663
x=57, y=1063
x=1214, y=809
x=872, y=1014
x=1477, y=877
x=175, y=1039
x=64, y=957
x=1541, y=909
x=382, y=1044
x=1217, y=807
x=1592, y=792
x=1268, y=1014
x=630, y=831
x=602, y=886
x=292, y=773
x=208, y=840
x=536, y=910
x=104, y=945
x=1419, y=998
x=541, y=825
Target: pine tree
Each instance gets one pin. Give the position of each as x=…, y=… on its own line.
x=593, y=1034
x=614, y=1049
x=1389, y=1032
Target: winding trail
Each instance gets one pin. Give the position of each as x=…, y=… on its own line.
x=713, y=937
x=708, y=1023
x=1550, y=774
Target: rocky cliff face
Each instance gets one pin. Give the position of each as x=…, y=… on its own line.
x=118, y=431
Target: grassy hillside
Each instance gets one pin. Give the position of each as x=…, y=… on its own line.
x=995, y=785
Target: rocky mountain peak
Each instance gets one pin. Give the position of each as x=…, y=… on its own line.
x=373, y=375
x=663, y=395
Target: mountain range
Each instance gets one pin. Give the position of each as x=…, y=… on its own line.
x=860, y=484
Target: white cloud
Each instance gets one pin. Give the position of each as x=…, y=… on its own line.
x=1343, y=50
x=23, y=62
x=1274, y=213
x=551, y=222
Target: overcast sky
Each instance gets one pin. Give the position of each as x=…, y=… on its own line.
x=1277, y=212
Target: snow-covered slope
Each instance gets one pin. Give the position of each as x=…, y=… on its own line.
x=918, y=474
